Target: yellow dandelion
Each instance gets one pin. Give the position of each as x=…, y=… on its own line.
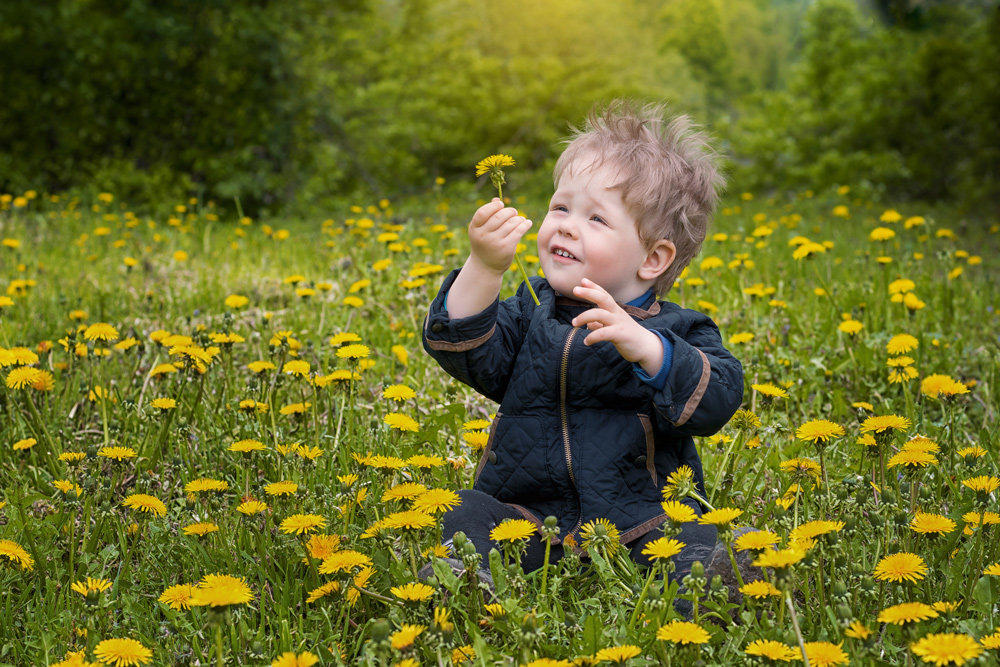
x=353, y=351
x=251, y=507
x=510, y=530
x=819, y=430
x=122, y=653
x=221, y=590
x=901, y=567
x=769, y=390
x=617, y=654
x=203, y=484
x=722, y=516
x=910, y=458
x=772, y=650
x=679, y=512
x=200, y=529
x=291, y=659
x=100, y=331
x=982, y=484
x=282, y=488
x=781, y=558
x=323, y=591
x=401, y=422
x=825, y=654
x=413, y=592
x=946, y=648
x=301, y=524
x=434, y=501
x=756, y=540
x=901, y=344
x=15, y=554
x=760, y=589
x=398, y=392
x=884, y=424
x=662, y=548
x=683, y=632
x=907, y=612
x=145, y=503
x=931, y=524
x=177, y=597
x=493, y=163
x=405, y=636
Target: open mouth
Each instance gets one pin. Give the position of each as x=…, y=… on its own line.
x=563, y=253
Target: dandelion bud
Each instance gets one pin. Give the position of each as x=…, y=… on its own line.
x=844, y=612
x=697, y=569
x=380, y=630
x=901, y=518
x=458, y=539
x=876, y=520
x=888, y=497
x=840, y=589
x=716, y=583
x=867, y=583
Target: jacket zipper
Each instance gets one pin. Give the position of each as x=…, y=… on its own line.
x=563, y=368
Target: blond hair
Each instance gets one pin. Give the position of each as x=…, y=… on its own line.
x=670, y=179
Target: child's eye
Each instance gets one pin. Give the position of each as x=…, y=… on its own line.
x=559, y=207
x=600, y=220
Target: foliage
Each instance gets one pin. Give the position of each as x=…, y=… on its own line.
x=907, y=110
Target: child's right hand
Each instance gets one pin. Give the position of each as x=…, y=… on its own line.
x=494, y=233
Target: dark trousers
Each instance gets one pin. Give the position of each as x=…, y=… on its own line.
x=479, y=513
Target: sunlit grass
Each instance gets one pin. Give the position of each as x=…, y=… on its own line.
x=233, y=425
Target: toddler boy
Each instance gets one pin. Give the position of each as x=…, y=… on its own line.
x=602, y=386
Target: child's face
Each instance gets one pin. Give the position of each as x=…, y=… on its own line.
x=588, y=233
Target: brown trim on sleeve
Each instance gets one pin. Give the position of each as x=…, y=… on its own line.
x=650, y=446
x=462, y=346
x=642, y=528
x=699, y=391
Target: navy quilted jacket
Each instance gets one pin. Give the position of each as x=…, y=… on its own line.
x=578, y=435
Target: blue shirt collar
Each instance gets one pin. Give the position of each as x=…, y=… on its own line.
x=640, y=301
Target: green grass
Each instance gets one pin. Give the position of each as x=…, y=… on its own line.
x=73, y=256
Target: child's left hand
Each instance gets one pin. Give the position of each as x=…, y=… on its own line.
x=609, y=322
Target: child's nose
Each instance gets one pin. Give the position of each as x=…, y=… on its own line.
x=567, y=227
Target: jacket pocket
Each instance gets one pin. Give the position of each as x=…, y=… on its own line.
x=487, y=450
x=647, y=427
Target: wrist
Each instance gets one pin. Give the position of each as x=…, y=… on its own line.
x=651, y=353
x=476, y=264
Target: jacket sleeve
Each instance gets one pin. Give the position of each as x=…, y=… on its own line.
x=705, y=384
x=478, y=350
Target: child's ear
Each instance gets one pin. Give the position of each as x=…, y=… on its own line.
x=658, y=259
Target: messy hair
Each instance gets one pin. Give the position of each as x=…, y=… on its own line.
x=670, y=179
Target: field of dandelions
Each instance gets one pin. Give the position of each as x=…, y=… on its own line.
x=222, y=444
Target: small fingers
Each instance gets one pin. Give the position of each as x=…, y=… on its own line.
x=486, y=212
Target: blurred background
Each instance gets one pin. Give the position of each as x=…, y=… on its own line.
x=290, y=105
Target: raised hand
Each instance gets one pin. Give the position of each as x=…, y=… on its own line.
x=494, y=233
x=609, y=322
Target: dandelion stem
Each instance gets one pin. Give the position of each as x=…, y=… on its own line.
x=795, y=626
x=524, y=275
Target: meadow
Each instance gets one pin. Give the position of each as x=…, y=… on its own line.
x=222, y=443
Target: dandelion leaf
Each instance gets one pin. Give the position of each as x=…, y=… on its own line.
x=446, y=575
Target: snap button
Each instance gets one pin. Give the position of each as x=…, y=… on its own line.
x=640, y=460
x=492, y=457
x=437, y=327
